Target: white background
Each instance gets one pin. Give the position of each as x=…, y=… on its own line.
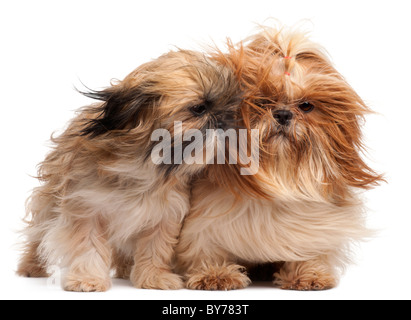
x=48, y=47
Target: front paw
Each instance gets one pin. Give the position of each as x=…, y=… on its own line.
x=86, y=284
x=153, y=278
x=229, y=277
x=304, y=276
x=314, y=283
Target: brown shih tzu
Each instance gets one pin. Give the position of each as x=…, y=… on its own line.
x=308, y=212
x=105, y=201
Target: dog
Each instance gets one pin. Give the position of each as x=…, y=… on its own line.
x=106, y=200
x=304, y=212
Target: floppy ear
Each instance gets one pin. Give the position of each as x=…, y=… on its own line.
x=122, y=109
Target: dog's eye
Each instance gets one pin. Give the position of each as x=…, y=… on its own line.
x=306, y=107
x=199, y=110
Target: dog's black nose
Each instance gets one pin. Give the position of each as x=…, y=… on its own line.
x=283, y=117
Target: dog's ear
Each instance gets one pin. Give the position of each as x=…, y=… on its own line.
x=123, y=108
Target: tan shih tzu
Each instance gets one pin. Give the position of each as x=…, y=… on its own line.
x=306, y=212
x=106, y=201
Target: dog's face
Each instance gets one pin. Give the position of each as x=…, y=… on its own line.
x=304, y=105
x=308, y=116
x=176, y=93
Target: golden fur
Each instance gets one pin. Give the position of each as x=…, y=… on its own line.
x=303, y=209
x=103, y=203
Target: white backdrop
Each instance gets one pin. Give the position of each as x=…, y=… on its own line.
x=48, y=47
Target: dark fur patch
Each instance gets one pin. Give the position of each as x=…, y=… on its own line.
x=121, y=109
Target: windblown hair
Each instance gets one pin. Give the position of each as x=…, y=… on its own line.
x=103, y=202
x=309, y=119
x=284, y=68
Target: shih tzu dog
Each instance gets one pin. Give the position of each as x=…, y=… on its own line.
x=303, y=211
x=106, y=200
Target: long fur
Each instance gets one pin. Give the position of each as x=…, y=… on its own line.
x=103, y=203
x=310, y=170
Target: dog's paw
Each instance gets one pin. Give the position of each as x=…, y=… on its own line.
x=86, y=284
x=315, y=284
x=304, y=278
x=229, y=277
x=32, y=271
x=156, y=279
